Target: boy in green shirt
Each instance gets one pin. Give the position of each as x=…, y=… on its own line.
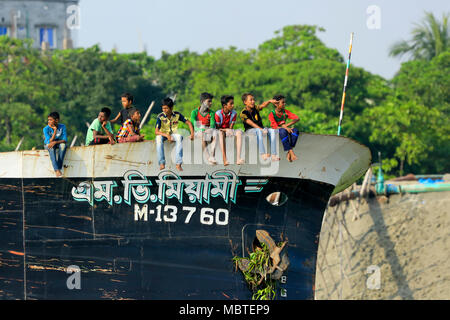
x=100, y=130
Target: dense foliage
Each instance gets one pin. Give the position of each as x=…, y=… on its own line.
x=406, y=118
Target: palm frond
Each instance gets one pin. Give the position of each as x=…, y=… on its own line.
x=429, y=39
x=399, y=49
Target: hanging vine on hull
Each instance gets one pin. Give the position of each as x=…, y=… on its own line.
x=264, y=267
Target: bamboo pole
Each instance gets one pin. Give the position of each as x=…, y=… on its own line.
x=74, y=141
x=345, y=83
x=146, y=115
x=367, y=178
x=19, y=144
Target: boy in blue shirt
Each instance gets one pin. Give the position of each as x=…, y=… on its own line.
x=55, y=139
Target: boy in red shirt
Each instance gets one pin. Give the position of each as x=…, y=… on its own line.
x=225, y=121
x=278, y=120
x=203, y=120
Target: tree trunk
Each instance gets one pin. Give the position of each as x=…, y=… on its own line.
x=8, y=130
x=402, y=162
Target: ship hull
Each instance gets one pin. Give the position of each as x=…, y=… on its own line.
x=168, y=248
x=117, y=227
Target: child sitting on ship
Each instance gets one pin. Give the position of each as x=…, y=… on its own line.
x=167, y=129
x=203, y=119
x=100, y=130
x=225, y=121
x=288, y=135
x=55, y=139
x=130, y=132
x=253, y=125
x=127, y=103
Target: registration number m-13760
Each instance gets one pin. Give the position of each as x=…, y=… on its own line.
x=170, y=214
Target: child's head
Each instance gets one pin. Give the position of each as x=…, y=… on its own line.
x=135, y=115
x=53, y=119
x=227, y=103
x=280, y=101
x=104, y=115
x=167, y=106
x=249, y=100
x=127, y=100
x=206, y=99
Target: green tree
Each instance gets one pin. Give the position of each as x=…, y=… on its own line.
x=90, y=79
x=426, y=83
x=25, y=93
x=429, y=39
x=405, y=132
x=407, y=118
x=295, y=63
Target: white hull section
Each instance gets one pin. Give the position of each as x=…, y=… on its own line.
x=334, y=160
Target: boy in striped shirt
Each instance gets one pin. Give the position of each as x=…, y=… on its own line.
x=130, y=132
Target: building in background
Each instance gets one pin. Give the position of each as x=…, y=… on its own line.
x=46, y=22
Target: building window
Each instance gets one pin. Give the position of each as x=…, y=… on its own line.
x=47, y=35
x=3, y=31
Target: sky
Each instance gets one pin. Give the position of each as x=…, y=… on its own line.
x=198, y=25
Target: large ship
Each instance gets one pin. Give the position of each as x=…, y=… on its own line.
x=116, y=227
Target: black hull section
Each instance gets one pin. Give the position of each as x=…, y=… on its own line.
x=44, y=231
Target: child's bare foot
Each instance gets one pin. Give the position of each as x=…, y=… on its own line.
x=265, y=156
x=212, y=161
x=289, y=156
x=240, y=162
x=293, y=156
x=225, y=161
x=58, y=173
x=275, y=158
x=179, y=168
x=162, y=167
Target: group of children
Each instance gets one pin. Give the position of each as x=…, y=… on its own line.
x=204, y=124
